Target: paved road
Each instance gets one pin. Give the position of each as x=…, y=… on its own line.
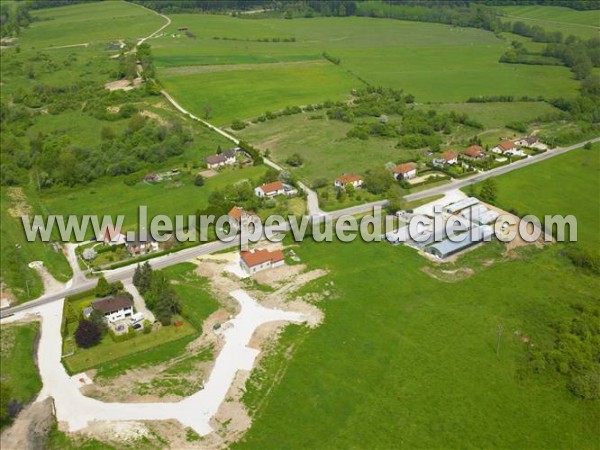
x=211, y=247
x=458, y=184
x=125, y=273
x=312, y=200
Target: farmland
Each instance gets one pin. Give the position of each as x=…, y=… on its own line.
x=433, y=62
x=377, y=351
x=576, y=194
x=80, y=24
x=568, y=21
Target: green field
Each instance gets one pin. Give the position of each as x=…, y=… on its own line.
x=411, y=360
x=19, y=369
x=584, y=24
x=496, y=115
x=242, y=94
x=112, y=196
x=78, y=24
x=434, y=62
x=535, y=190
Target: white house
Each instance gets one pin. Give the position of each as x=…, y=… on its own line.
x=270, y=189
x=355, y=180
x=405, y=171
x=256, y=260
x=114, y=308
x=450, y=157
x=505, y=146
x=220, y=159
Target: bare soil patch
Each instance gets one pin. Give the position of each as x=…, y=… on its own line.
x=448, y=276
x=19, y=205
x=30, y=428
x=153, y=116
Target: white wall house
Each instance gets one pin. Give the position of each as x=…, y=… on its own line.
x=405, y=171
x=220, y=159
x=355, y=180
x=505, y=146
x=114, y=308
x=270, y=189
x=256, y=260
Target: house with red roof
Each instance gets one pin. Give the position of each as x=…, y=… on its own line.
x=346, y=179
x=405, y=171
x=450, y=157
x=505, y=146
x=474, y=152
x=111, y=235
x=270, y=189
x=253, y=261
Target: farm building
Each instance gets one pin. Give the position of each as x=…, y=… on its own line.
x=447, y=247
x=457, y=207
x=256, y=260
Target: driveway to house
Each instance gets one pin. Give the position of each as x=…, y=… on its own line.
x=138, y=301
x=312, y=200
x=195, y=411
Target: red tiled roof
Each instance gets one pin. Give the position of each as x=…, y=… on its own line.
x=506, y=145
x=448, y=156
x=257, y=257
x=405, y=168
x=236, y=212
x=473, y=151
x=272, y=187
x=348, y=178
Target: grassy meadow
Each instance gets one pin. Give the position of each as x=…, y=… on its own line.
x=566, y=184
x=111, y=196
x=434, y=62
x=86, y=23
x=583, y=24
x=376, y=372
x=19, y=369
x=410, y=361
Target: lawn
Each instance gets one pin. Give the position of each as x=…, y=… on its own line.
x=112, y=358
x=583, y=24
x=19, y=370
x=77, y=24
x=405, y=360
x=536, y=190
x=108, y=350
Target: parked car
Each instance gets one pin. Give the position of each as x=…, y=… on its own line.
x=137, y=326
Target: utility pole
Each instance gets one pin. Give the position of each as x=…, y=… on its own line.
x=498, y=335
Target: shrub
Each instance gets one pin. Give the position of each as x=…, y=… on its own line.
x=199, y=180
x=238, y=125
x=87, y=334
